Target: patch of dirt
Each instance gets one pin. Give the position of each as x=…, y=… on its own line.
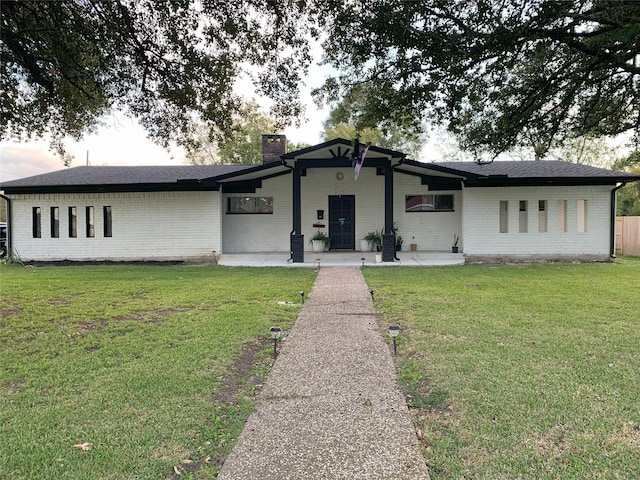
x=239, y=379
x=238, y=375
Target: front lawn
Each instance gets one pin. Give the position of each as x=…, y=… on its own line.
x=121, y=372
x=520, y=371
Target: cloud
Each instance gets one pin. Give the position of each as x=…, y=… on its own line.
x=24, y=160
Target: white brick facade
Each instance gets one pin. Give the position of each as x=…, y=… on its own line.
x=481, y=222
x=146, y=226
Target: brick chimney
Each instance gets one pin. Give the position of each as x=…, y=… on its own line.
x=272, y=147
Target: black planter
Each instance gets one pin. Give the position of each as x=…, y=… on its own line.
x=454, y=249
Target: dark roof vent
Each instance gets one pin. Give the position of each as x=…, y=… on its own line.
x=273, y=146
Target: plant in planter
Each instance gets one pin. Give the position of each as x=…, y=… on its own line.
x=454, y=245
x=375, y=239
x=320, y=241
x=399, y=240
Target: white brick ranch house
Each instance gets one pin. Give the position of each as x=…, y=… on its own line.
x=541, y=209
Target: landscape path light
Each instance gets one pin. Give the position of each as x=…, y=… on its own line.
x=371, y=292
x=302, y=297
x=394, y=330
x=275, y=335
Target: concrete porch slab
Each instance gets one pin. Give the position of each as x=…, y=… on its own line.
x=341, y=259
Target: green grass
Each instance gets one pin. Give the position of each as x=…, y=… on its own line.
x=131, y=359
x=511, y=371
x=520, y=371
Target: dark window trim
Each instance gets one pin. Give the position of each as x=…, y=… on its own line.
x=230, y=199
x=90, y=222
x=73, y=222
x=55, y=222
x=107, y=221
x=435, y=203
x=36, y=222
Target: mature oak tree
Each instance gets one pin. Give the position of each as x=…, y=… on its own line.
x=496, y=73
x=66, y=63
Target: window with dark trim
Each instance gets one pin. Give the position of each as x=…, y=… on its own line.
x=73, y=222
x=250, y=205
x=36, y=222
x=429, y=203
x=55, y=222
x=106, y=216
x=90, y=225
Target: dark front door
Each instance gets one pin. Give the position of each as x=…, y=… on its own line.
x=342, y=222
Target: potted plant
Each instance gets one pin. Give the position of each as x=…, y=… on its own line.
x=399, y=239
x=454, y=246
x=368, y=242
x=375, y=238
x=319, y=242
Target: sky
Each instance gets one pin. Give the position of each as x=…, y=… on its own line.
x=124, y=142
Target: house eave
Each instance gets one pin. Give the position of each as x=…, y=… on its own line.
x=179, y=186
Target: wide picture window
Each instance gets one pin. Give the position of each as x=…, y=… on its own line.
x=250, y=205
x=429, y=203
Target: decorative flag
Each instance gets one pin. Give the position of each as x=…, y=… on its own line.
x=360, y=160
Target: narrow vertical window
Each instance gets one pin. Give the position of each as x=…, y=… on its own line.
x=523, y=226
x=73, y=222
x=562, y=216
x=582, y=216
x=504, y=216
x=90, y=223
x=36, y=219
x=542, y=215
x=106, y=216
x=55, y=222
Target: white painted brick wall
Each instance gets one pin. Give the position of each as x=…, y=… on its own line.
x=149, y=226
x=430, y=231
x=260, y=232
x=481, y=232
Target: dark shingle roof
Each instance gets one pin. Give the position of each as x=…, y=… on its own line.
x=205, y=177
x=124, y=179
x=534, y=169
x=89, y=176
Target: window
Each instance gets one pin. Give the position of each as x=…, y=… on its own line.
x=250, y=205
x=504, y=216
x=55, y=222
x=582, y=216
x=542, y=215
x=523, y=221
x=106, y=217
x=73, y=222
x=36, y=219
x=429, y=203
x=89, y=222
x=562, y=216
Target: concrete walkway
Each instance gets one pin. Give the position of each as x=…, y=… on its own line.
x=330, y=408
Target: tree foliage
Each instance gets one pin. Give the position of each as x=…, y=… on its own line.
x=628, y=197
x=66, y=63
x=243, y=146
x=347, y=120
x=498, y=74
